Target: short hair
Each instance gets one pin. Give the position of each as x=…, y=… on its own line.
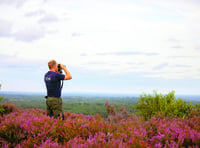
x=51, y=63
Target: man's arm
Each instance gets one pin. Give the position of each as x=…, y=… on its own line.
x=67, y=74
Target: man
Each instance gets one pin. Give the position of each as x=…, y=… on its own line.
x=53, y=84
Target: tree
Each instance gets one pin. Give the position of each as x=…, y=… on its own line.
x=0, y=97
x=150, y=105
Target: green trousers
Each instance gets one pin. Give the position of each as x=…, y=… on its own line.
x=54, y=106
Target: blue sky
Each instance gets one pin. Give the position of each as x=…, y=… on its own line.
x=109, y=46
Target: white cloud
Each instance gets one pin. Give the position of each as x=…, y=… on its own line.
x=16, y=3
x=15, y=62
x=5, y=28
x=49, y=18
x=29, y=34
x=39, y=12
x=122, y=28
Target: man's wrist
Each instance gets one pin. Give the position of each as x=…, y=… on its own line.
x=64, y=68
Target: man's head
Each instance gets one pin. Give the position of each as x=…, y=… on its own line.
x=53, y=65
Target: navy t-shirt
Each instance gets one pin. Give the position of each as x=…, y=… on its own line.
x=52, y=81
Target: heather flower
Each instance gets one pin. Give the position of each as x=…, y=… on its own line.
x=32, y=128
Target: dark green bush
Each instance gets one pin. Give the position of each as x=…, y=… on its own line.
x=1, y=99
x=167, y=105
x=7, y=108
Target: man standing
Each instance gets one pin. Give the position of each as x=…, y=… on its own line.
x=53, y=84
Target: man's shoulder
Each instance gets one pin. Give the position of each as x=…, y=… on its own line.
x=47, y=73
x=50, y=73
x=53, y=74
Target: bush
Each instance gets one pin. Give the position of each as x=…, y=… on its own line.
x=7, y=108
x=0, y=97
x=167, y=105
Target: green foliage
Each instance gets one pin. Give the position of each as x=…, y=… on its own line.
x=167, y=105
x=198, y=106
x=75, y=104
x=0, y=97
x=7, y=108
x=2, y=110
x=90, y=105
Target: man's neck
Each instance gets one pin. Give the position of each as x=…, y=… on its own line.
x=53, y=70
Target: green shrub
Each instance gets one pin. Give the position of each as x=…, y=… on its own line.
x=7, y=108
x=0, y=97
x=167, y=105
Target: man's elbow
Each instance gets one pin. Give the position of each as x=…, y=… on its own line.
x=68, y=78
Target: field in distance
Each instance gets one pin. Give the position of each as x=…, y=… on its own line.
x=88, y=104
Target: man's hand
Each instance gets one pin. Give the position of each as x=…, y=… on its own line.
x=62, y=66
x=67, y=74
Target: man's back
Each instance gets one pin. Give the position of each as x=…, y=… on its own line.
x=52, y=81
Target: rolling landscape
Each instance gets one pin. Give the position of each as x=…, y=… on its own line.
x=154, y=120
x=99, y=74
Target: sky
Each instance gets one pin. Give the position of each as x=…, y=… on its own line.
x=109, y=46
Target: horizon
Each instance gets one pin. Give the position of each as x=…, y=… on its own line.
x=186, y=97
x=130, y=47
x=90, y=94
